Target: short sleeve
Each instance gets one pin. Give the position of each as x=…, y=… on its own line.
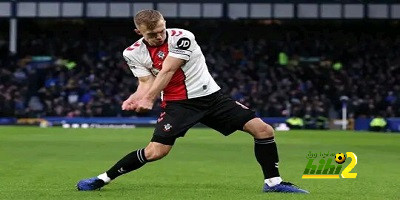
x=183, y=46
x=137, y=69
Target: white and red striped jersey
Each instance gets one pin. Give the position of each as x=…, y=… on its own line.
x=190, y=81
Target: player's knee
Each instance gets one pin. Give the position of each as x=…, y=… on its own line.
x=265, y=131
x=153, y=152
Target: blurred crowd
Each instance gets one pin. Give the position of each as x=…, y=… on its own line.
x=283, y=73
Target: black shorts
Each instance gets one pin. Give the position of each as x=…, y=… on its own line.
x=216, y=111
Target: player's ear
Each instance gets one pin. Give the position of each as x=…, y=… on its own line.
x=137, y=31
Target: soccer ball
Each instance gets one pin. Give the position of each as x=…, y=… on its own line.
x=340, y=158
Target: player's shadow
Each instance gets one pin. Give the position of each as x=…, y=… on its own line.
x=151, y=187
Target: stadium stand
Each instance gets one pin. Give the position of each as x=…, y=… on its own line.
x=278, y=68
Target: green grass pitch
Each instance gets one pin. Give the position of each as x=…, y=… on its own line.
x=46, y=163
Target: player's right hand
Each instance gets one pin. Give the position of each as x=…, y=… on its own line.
x=130, y=103
x=127, y=105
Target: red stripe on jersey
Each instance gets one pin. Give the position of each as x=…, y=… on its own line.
x=158, y=54
x=180, y=33
x=176, y=88
x=134, y=45
x=173, y=32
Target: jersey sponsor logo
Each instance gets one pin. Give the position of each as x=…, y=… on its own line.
x=167, y=127
x=183, y=43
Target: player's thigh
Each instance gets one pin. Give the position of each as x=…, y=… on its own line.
x=227, y=116
x=174, y=121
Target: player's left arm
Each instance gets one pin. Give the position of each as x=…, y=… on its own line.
x=169, y=67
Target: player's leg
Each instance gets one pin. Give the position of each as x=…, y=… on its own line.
x=136, y=159
x=132, y=161
x=174, y=121
x=227, y=116
x=266, y=153
x=265, y=149
x=231, y=116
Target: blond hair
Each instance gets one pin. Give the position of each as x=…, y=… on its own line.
x=149, y=18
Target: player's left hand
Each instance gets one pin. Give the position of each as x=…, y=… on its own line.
x=144, y=105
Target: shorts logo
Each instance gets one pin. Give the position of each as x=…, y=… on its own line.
x=167, y=127
x=183, y=43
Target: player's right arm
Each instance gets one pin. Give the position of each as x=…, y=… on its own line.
x=145, y=84
x=133, y=56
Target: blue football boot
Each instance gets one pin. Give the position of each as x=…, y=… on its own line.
x=90, y=184
x=284, y=187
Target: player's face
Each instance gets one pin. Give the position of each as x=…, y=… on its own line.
x=156, y=36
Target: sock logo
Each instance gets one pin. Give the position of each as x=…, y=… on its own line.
x=276, y=165
x=121, y=170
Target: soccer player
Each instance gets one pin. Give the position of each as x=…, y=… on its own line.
x=170, y=62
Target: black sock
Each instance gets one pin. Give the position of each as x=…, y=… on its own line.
x=130, y=162
x=267, y=156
